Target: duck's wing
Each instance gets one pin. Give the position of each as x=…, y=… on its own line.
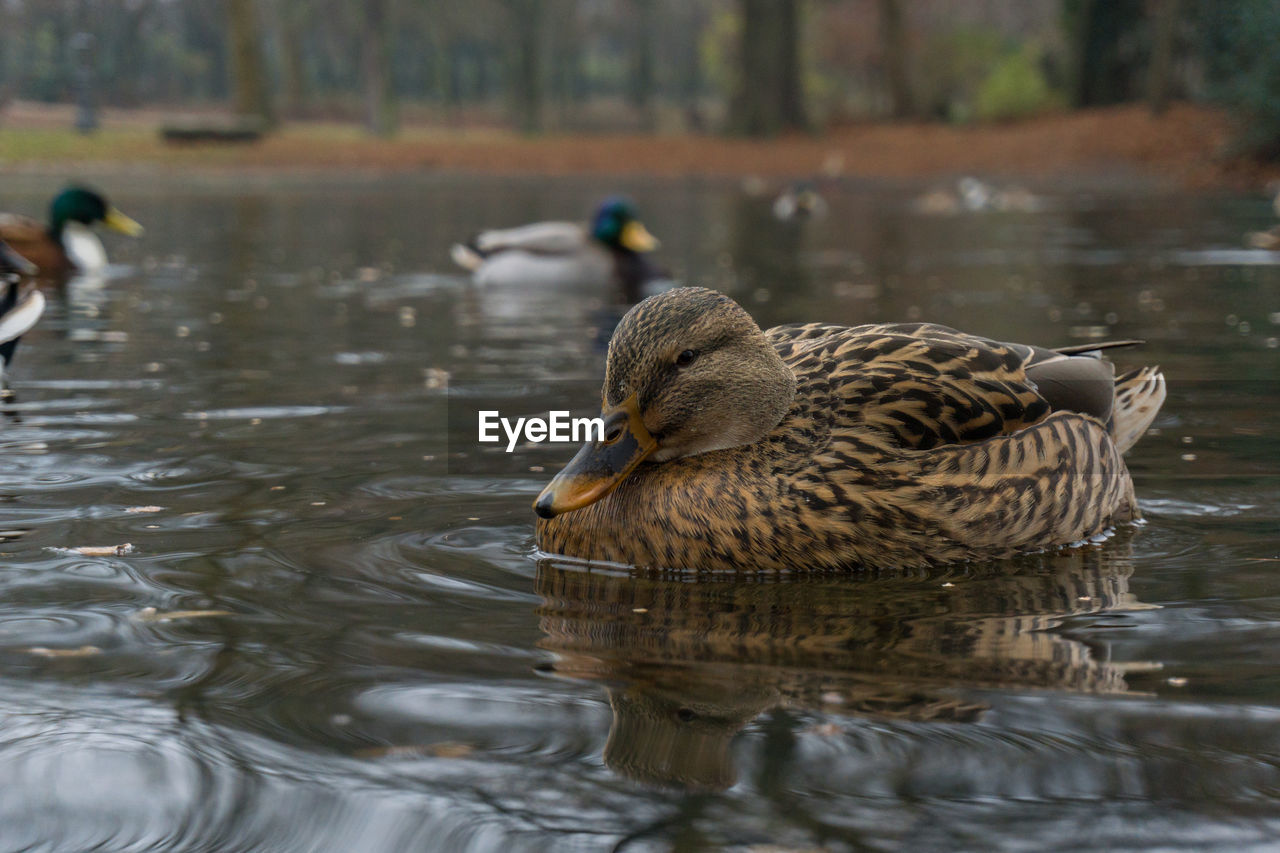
x=912, y=386
x=552, y=239
x=919, y=385
x=544, y=238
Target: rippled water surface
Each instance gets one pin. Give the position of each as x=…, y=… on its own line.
x=331, y=631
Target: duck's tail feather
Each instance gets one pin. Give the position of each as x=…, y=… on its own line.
x=1139, y=395
x=1082, y=349
x=466, y=256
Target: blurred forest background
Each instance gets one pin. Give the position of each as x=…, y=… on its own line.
x=742, y=67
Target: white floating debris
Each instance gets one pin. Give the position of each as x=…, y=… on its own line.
x=82, y=652
x=151, y=615
x=103, y=550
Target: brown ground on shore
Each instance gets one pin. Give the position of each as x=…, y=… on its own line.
x=1186, y=145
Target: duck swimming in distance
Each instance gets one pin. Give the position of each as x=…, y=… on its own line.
x=800, y=200
x=66, y=244
x=820, y=446
x=613, y=248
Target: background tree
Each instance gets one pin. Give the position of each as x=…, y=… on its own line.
x=642, y=62
x=1243, y=65
x=380, y=104
x=893, y=33
x=1109, y=40
x=1160, y=74
x=769, y=97
x=252, y=96
x=524, y=65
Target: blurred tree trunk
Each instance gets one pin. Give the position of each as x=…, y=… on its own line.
x=893, y=33
x=642, y=77
x=293, y=73
x=769, y=98
x=1104, y=68
x=251, y=95
x=525, y=66
x=380, y=103
x=690, y=68
x=1160, y=75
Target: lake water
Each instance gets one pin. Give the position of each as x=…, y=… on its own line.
x=372, y=657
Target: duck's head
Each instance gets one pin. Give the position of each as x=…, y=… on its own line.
x=77, y=204
x=616, y=226
x=689, y=372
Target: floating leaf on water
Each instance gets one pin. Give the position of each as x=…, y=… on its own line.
x=103, y=550
x=82, y=652
x=150, y=614
x=444, y=749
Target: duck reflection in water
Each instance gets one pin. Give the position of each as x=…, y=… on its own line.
x=687, y=662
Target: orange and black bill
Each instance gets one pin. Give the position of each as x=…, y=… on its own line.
x=600, y=465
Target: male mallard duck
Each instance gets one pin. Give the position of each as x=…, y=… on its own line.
x=972, y=195
x=20, y=307
x=66, y=244
x=800, y=200
x=1269, y=239
x=612, y=249
x=820, y=446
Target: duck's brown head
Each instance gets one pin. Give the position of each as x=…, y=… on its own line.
x=689, y=372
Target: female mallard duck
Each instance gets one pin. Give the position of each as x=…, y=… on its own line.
x=66, y=244
x=820, y=446
x=612, y=249
x=20, y=305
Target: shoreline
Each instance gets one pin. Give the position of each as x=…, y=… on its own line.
x=1184, y=147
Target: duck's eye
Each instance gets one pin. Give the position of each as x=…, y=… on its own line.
x=686, y=357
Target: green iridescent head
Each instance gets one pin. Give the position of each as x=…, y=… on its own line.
x=77, y=204
x=616, y=225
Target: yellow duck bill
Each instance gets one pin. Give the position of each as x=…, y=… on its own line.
x=117, y=221
x=600, y=465
x=637, y=238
